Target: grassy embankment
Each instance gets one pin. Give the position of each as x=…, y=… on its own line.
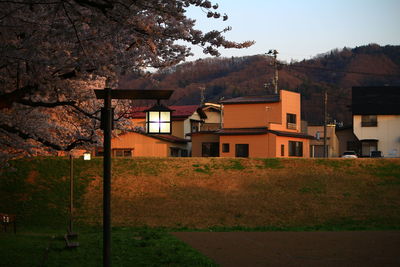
x=191, y=193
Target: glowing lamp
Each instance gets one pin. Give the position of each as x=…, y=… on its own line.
x=86, y=156
x=158, y=120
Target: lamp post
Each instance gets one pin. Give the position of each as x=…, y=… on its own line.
x=158, y=119
x=71, y=233
x=107, y=94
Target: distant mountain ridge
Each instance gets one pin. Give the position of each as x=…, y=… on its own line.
x=335, y=71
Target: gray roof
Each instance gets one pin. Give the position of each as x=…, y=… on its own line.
x=261, y=130
x=252, y=99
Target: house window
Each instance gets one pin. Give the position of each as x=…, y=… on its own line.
x=242, y=150
x=210, y=149
x=369, y=121
x=174, y=151
x=282, y=150
x=184, y=153
x=291, y=121
x=295, y=149
x=123, y=152
x=225, y=148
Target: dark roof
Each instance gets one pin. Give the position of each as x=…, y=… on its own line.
x=292, y=134
x=252, y=100
x=261, y=130
x=201, y=132
x=168, y=138
x=376, y=100
x=243, y=131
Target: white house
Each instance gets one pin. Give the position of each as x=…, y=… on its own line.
x=376, y=119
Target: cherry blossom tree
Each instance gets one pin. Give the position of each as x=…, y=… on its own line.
x=54, y=52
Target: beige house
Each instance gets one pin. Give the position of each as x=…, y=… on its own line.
x=376, y=119
x=317, y=144
x=347, y=140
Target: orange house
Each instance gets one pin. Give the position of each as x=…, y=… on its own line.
x=137, y=143
x=267, y=126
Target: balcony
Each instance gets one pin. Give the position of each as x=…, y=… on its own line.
x=291, y=126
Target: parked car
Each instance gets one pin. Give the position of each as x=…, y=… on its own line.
x=376, y=154
x=349, y=155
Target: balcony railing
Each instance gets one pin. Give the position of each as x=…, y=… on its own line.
x=292, y=126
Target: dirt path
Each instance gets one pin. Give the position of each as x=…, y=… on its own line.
x=360, y=248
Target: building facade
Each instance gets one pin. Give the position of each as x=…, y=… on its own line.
x=376, y=119
x=267, y=126
x=317, y=144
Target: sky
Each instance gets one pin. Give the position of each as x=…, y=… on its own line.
x=302, y=29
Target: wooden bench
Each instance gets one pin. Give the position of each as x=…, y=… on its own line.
x=7, y=219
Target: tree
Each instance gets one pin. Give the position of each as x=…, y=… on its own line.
x=53, y=52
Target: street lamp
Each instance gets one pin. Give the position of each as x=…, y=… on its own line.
x=158, y=120
x=107, y=94
x=87, y=156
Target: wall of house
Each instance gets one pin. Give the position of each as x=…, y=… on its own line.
x=345, y=137
x=142, y=145
x=332, y=140
x=258, y=145
x=283, y=140
x=387, y=132
x=272, y=115
x=198, y=139
x=251, y=115
x=263, y=146
x=178, y=129
x=213, y=116
x=290, y=103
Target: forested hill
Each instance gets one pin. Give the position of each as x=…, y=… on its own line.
x=336, y=71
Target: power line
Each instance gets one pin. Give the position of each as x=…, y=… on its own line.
x=342, y=71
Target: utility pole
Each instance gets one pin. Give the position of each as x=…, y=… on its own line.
x=325, y=122
x=274, y=54
x=202, y=96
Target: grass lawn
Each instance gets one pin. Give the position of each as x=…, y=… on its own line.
x=154, y=196
x=130, y=247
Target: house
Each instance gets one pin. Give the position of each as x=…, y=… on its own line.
x=317, y=144
x=140, y=144
x=347, y=140
x=267, y=126
x=185, y=119
x=376, y=119
x=213, y=120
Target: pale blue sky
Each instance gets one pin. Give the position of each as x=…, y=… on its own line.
x=301, y=29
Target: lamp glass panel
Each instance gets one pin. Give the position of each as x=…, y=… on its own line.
x=165, y=127
x=165, y=116
x=154, y=116
x=154, y=127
